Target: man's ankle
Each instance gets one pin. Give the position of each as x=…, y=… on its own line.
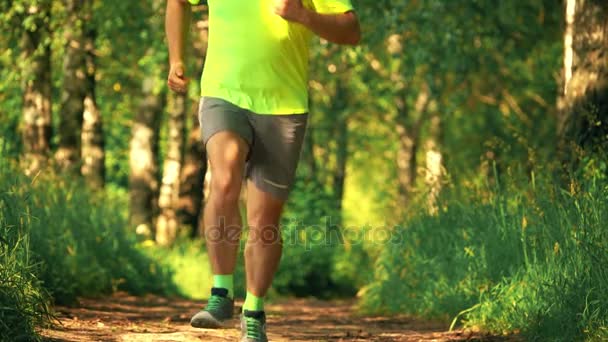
x=224, y=281
x=253, y=302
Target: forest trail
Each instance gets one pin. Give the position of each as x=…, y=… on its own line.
x=127, y=318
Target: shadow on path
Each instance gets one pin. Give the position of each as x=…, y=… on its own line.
x=127, y=318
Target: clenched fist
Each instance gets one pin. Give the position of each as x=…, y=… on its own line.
x=177, y=80
x=291, y=10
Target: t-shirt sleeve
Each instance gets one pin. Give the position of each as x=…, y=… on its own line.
x=332, y=6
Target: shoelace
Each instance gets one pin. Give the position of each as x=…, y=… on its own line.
x=254, y=328
x=214, y=303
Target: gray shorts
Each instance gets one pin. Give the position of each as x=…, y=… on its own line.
x=275, y=141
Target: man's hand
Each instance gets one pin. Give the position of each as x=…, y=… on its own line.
x=291, y=10
x=341, y=28
x=177, y=80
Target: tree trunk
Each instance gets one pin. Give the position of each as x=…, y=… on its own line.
x=167, y=224
x=191, y=188
x=74, y=85
x=339, y=109
x=434, y=163
x=406, y=160
x=308, y=155
x=93, y=147
x=191, y=196
x=583, y=123
x=143, y=160
x=36, y=131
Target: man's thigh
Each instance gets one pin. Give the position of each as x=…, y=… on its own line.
x=276, y=151
x=227, y=135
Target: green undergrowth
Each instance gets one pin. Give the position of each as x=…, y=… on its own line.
x=529, y=261
x=58, y=242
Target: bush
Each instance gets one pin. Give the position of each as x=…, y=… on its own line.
x=83, y=244
x=533, y=262
x=59, y=241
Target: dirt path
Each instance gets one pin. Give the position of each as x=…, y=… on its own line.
x=127, y=318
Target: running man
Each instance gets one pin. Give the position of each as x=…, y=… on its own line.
x=253, y=115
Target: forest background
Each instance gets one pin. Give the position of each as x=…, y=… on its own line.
x=454, y=168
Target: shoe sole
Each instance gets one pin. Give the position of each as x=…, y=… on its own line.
x=209, y=323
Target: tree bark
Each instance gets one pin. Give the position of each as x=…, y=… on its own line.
x=339, y=109
x=143, y=159
x=74, y=85
x=583, y=123
x=191, y=189
x=191, y=196
x=406, y=160
x=36, y=130
x=167, y=223
x=434, y=163
x=93, y=145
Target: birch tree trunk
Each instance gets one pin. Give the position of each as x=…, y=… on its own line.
x=167, y=223
x=191, y=197
x=143, y=159
x=583, y=123
x=434, y=163
x=408, y=131
x=339, y=109
x=406, y=160
x=143, y=154
x=74, y=85
x=191, y=189
x=36, y=130
x=93, y=146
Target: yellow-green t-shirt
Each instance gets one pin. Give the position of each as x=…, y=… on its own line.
x=256, y=59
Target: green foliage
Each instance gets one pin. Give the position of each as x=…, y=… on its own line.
x=58, y=239
x=82, y=242
x=188, y=264
x=526, y=260
x=489, y=69
x=23, y=301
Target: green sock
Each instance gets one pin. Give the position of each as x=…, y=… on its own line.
x=253, y=303
x=224, y=281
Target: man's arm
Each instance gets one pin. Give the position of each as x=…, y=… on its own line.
x=337, y=28
x=177, y=25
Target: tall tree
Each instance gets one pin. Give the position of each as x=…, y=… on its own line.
x=93, y=145
x=583, y=124
x=408, y=123
x=143, y=158
x=74, y=84
x=191, y=189
x=434, y=162
x=339, y=109
x=167, y=223
x=143, y=149
x=36, y=76
x=191, y=195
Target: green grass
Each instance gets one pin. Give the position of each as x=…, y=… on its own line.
x=23, y=301
x=531, y=261
x=58, y=242
x=190, y=270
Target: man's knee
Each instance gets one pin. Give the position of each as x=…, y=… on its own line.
x=226, y=153
x=226, y=186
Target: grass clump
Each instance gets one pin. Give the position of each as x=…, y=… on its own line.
x=58, y=242
x=23, y=301
x=531, y=261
